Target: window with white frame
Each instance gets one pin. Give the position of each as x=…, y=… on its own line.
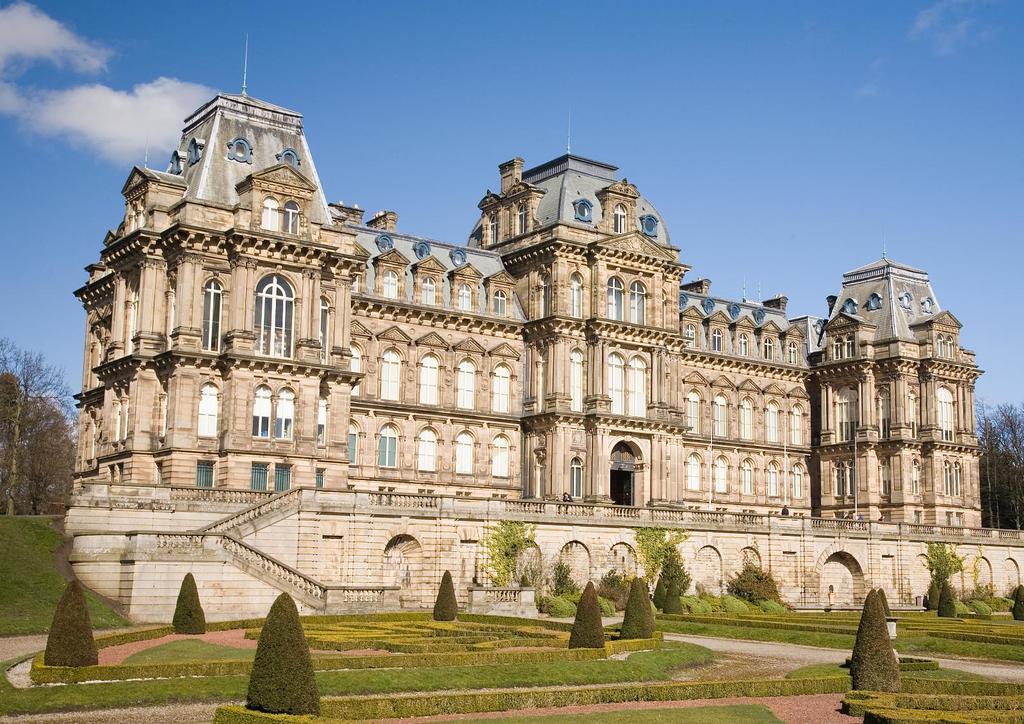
x=387, y=447
x=773, y=480
x=884, y=421
x=275, y=307
x=428, y=380
x=285, y=417
x=798, y=482
x=837, y=348
x=693, y=472
x=845, y=409
x=636, y=387
x=261, y=411
x=464, y=454
x=947, y=418
x=501, y=389
x=492, y=228
x=747, y=477
x=617, y=383
x=721, y=473
x=693, y=411
x=721, y=423
x=691, y=336
x=849, y=346
x=744, y=345
x=353, y=445
x=792, y=353
x=771, y=422
x=500, y=459
x=576, y=380
x=426, y=451
x=746, y=419
x=465, y=298
x=545, y=295
x=465, y=385
x=428, y=291
x=637, y=303
x=915, y=477
x=321, y=422
x=521, y=219
x=325, y=330
x=208, y=411
x=796, y=425
x=390, y=375
x=389, y=284
x=716, y=340
x=355, y=364
x=291, y=218
x=576, y=295
x=212, y=296
x=540, y=378
x=576, y=479
x=500, y=304
x=619, y=219
x=769, y=349
x=271, y=220
x=615, y=291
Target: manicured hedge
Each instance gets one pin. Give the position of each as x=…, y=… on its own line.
x=758, y=622
x=977, y=638
x=899, y=708
x=619, y=646
x=911, y=664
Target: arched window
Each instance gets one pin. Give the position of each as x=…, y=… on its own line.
x=576, y=295
x=716, y=340
x=353, y=445
x=428, y=291
x=271, y=220
x=355, y=364
x=619, y=219
x=501, y=389
x=289, y=157
x=576, y=479
x=885, y=473
x=615, y=299
x=428, y=380
x=693, y=472
x=637, y=303
x=208, y=411
x=940, y=346
x=773, y=480
x=275, y=305
x=291, y=218
x=492, y=228
x=545, y=295
x=212, y=294
x=747, y=477
x=389, y=284
x=636, y=387
x=837, y=348
x=746, y=419
x=616, y=383
x=240, y=150
x=771, y=422
x=499, y=462
x=465, y=385
x=261, y=409
x=912, y=413
x=325, y=330
x=387, y=447
x=693, y=411
x=845, y=408
x=465, y=298
x=576, y=380
x=841, y=480
x=849, y=346
x=884, y=422
x=791, y=353
x=721, y=470
x=390, y=375
x=915, y=477
x=947, y=418
x=721, y=422
x=744, y=345
x=691, y=336
x=500, y=303
x=321, y=422
x=796, y=425
x=798, y=481
x=521, y=219
x=947, y=478
x=426, y=451
x=285, y=417
x=540, y=379
x=464, y=454
x=769, y=349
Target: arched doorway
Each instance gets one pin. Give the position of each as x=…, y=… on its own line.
x=404, y=566
x=623, y=471
x=842, y=580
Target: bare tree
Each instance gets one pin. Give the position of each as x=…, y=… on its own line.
x=1001, y=434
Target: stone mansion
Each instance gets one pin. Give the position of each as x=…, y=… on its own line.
x=247, y=341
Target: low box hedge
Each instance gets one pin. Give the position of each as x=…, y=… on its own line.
x=754, y=622
x=908, y=707
x=910, y=664
x=978, y=638
x=619, y=646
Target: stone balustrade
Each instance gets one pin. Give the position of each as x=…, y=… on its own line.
x=503, y=601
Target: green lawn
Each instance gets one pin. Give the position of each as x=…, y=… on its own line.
x=185, y=650
x=739, y=714
x=30, y=585
x=817, y=671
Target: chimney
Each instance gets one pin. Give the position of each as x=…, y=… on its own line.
x=384, y=220
x=511, y=173
x=777, y=302
x=349, y=214
x=831, y=301
x=700, y=286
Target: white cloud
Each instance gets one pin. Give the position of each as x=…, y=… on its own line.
x=27, y=33
x=867, y=90
x=948, y=25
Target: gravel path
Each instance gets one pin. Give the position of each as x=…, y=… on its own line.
x=169, y=714
x=11, y=647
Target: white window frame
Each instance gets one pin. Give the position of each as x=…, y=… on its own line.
x=208, y=410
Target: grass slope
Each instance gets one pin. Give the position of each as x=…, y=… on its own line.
x=738, y=714
x=30, y=584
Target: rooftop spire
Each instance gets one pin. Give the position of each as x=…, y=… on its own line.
x=245, y=66
x=568, y=134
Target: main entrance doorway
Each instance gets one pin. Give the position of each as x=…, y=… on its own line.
x=623, y=469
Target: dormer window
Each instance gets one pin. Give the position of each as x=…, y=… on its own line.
x=175, y=164
x=744, y=345
x=195, y=151
x=271, y=219
x=850, y=306
x=522, y=219
x=389, y=284
x=289, y=157
x=874, y=302
x=906, y=301
x=584, y=210
x=465, y=298
x=619, y=220
x=926, y=305
x=291, y=218
x=240, y=150
x=500, y=303
x=649, y=225
x=492, y=228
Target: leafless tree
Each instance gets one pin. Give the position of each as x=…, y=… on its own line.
x=1001, y=434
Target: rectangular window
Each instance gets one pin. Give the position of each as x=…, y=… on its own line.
x=353, y=447
x=258, y=479
x=282, y=477
x=321, y=423
x=320, y=477
x=204, y=474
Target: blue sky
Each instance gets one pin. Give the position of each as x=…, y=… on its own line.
x=782, y=142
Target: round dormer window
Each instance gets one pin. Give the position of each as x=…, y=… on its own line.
x=584, y=210
x=906, y=301
x=850, y=306
x=385, y=243
x=240, y=150
x=927, y=305
x=421, y=249
x=759, y=316
x=289, y=157
x=458, y=257
x=649, y=225
x=708, y=306
x=734, y=310
x=874, y=302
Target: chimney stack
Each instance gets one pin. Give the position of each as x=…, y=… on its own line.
x=699, y=286
x=349, y=214
x=384, y=220
x=779, y=302
x=511, y=173
x=831, y=301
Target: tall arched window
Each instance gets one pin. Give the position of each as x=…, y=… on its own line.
x=940, y=346
x=492, y=228
x=464, y=454
x=721, y=470
x=636, y=387
x=845, y=409
x=693, y=472
x=744, y=345
x=353, y=445
x=389, y=284
x=576, y=380
x=912, y=413
x=500, y=303
x=271, y=220
x=721, y=423
x=208, y=411
x=947, y=419
x=325, y=330
x=616, y=383
x=321, y=422
x=884, y=422
x=771, y=422
x=387, y=447
x=849, y=346
x=885, y=473
x=576, y=295
x=428, y=380
x=426, y=451
x=619, y=219
x=261, y=410
x=521, y=219
x=291, y=218
x=637, y=303
x=956, y=479
x=540, y=378
x=275, y=305
x=773, y=480
x=615, y=290
x=284, y=420
x=576, y=479
x=465, y=298
x=693, y=411
x=798, y=481
x=501, y=389
x=691, y=336
x=746, y=419
x=915, y=477
x=465, y=385
x=428, y=291
x=792, y=353
x=499, y=462
x=716, y=340
x=841, y=480
x=796, y=425
x=947, y=478
x=212, y=294
x=837, y=348
x=355, y=364
x=747, y=477
x=769, y=349
x=390, y=375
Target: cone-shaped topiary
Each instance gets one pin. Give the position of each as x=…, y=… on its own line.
x=659, y=594
x=587, y=632
x=673, y=604
x=885, y=602
x=1018, y=603
x=70, y=642
x=188, y=613
x=873, y=665
x=638, y=621
x=947, y=603
x=933, y=596
x=282, y=680
x=446, y=608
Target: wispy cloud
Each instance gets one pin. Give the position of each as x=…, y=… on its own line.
x=867, y=90
x=949, y=25
x=118, y=125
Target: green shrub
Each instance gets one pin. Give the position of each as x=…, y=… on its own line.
x=873, y=665
x=638, y=622
x=672, y=571
x=1018, y=603
x=731, y=604
x=754, y=584
x=659, y=594
x=587, y=632
x=934, y=592
x=947, y=604
x=885, y=602
x=616, y=588
x=562, y=582
x=961, y=608
x=673, y=604
x=188, y=612
x=606, y=606
x=282, y=680
x=446, y=608
x=713, y=602
x=557, y=606
x=524, y=580
x=999, y=604
x=696, y=604
x=70, y=642
x=772, y=608
x=980, y=607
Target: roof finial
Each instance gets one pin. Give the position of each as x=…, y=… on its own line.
x=743, y=297
x=245, y=66
x=568, y=134
x=145, y=159
x=883, y=246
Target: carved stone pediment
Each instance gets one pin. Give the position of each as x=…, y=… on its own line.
x=946, y=319
x=283, y=174
x=636, y=243
x=358, y=330
x=394, y=334
x=621, y=188
x=430, y=264
x=770, y=327
x=723, y=381
x=469, y=345
x=502, y=278
x=432, y=339
x=696, y=378
x=748, y=386
x=392, y=257
x=466, y=271
x=774, y=389
x=505, y=350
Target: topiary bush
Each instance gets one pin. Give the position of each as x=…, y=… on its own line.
x=70, y=642
x=587, y=632
x=947, y=604
x=557, y=606
x=696, y=604
x=980, y=607
x=772, y=608
x=873, y=665
x=606, y=606
x=638, y=621
x=616, y=588
x=188, y=612
x=1018, y=603
x=659, y=594
x=282, y=680
x=754, y=584
x=672, y=570
x=934, y=592
x=885, y=602
x=731, y=604
x=672, y=602
x=446, y=607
